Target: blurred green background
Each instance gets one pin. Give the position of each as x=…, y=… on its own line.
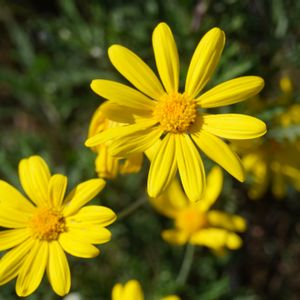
x=49, y=53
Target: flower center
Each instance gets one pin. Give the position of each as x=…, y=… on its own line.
x=175, y=112
x=190, y=220
x=47, y=224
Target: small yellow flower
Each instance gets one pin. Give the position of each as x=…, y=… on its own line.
x=41, y=230
x=132, y=290
x=106, y=165
x=195, y=223
x=160, y=112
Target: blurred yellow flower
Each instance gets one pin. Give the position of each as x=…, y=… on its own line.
x=132, y=290
x=106, y=165
x=160, y=112
x=41, y=230
x=270, y=164
x=196, y=223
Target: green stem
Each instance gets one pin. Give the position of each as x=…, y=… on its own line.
x=186, y=265
x=131, y=208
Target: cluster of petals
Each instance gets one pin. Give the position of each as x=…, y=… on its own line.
x=39, y=231
x=157, y=111
x=196, y=223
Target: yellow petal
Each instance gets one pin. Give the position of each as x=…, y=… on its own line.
x=166, y=57
x=57, y=189
x=226, y=221
x=216, y=239
x=171, y=297
x=34, y=176
x=135, y=143
x=119, y=132
x=117, y=292
x=12, y=217
x=132, y=291
x=76, y=247
x=163, y=167
x=231, y=91
x=90, y=234
x=107, y=166
x=58, y=270
x=171, y=201
x=132, y=164
x=12, y=261
x=11, y=196
x=121, y=94
x=82, y=194
x=175, y=237
x=12, y=238
x=234, y=126
x=135, y=71
x=204, y=61
x=213, y=189
x=220, y=152
x=190, y=166
x=92, y=214
x=32, y=271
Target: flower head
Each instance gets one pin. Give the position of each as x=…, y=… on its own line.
x=196, y=223
x=161, y=112
x=132, y=290
x=106, y=165
x=41, y=230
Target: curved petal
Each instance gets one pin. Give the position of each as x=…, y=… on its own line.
x=117, y=292
x=234, y=126
x=231, y=91
x=190, y=166
x=58, y=270
x=118, y=132
x=175, y=237
x=106, y=165
x=132, y=290
x=90, y=234
x=76, y=247
x=132, y=164
x=163, y=167
x=57, y=189
x=135, y=143
x=220, y=152
x=166, y=57
x=92, y=214
x=12, y=217
x=226, y=221
x=12, y=197
x=34, y=176
x=12, y=261
x=216, y=239
x=122, y=94
x=171, y=201
x=135, y=71
x=204, y=61
x=213, y=189
x=13, y=237
x=32, y=271
x=82, y=194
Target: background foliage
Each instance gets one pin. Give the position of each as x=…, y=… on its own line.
x=49, y=53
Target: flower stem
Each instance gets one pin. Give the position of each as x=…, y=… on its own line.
x=131, y=208
x=186, y=265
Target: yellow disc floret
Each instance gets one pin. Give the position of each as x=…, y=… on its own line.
x=47, y=224
x=175, y=112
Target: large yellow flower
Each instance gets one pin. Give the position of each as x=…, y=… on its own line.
x=40, y=231
x=162, y=112
x=196, y=223
x=106, y=165
x=132, y=290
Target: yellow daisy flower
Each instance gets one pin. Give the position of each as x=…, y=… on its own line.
x=41, y=230
x=161, y=112
x=132, y=290
x=196, y=223
x=106, y=165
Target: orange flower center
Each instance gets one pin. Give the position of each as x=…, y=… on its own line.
x=190, y=220
x=175, y=112
x=47, y=224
